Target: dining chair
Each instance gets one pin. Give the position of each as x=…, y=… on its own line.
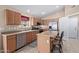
x=57, y=42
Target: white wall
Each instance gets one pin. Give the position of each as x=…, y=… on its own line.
x=2, y=22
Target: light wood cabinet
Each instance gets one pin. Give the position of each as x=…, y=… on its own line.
x=15, y=41
x=11, y=43
x=42, y=22
x=46, y=22
x=28, y=37
x=34, y=21
x=12, y=17
x=31, y=36
x=9, y=17
x=34, y=36
x=17, y=18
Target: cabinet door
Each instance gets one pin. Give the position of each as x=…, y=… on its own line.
x=45, y=22
x=34, y=36
x=9, y=17
x=34, y=21
x=17, y=18
x=28, y=37
x=11, y=43
x=42, y=22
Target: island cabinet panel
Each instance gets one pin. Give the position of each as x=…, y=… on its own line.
x=43, y=43
x=11, y=43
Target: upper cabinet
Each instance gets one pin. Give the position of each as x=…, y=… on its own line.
x=9, y=17
x=45, y=22
x=71, y=9
x=33, y=21
x=12, y=17
x=17, y=18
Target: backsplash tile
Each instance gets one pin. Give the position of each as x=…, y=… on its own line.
x=13, y=28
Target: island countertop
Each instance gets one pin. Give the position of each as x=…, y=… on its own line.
x=49, y=33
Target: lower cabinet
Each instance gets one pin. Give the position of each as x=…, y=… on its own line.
x=11, y=43
x=31, y=36
x=28, y=37
x=14, y=42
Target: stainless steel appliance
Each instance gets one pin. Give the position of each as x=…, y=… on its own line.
x=21, y=40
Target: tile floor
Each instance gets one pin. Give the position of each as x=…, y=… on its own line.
x=31, y=48
x=69, y=46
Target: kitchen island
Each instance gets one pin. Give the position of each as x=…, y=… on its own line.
x=44, y=42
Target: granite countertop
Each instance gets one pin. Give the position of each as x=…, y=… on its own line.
x=16, y=32
x=48, y=33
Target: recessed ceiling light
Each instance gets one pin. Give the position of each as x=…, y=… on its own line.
x=28, y=10
x=43, y=13
x=57, y=6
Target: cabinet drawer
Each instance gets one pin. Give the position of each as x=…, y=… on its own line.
x=11, y=36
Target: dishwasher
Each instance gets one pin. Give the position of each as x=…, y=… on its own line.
x=21, y=40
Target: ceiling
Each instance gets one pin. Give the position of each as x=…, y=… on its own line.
x=39, y=10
